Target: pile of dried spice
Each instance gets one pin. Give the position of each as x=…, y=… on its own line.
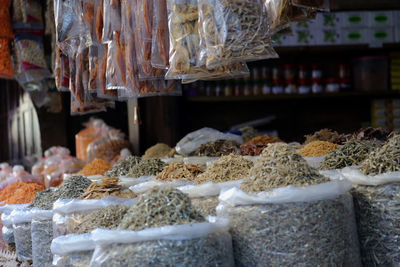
x=279, y=165
x=159, y=150
x=217, y=148
x=248, y=133
x=385, y=158
x=353, y=152
x=96, y=167
x=322, y=135
x=107, y=187
x=227, y=168
x=147, y=167
x=73, y=187
x=122, y=167
x=365, y=134
x=180, y=171
x=107, y=218
x=19, y=193
x=317, y=149
x=256, y=145
x=159, y=207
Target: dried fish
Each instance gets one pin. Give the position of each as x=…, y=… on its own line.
x=122, y=167
x=217, y=148
x=206, y=205
x=279, y=165
x=322, y=135
x=378, y=226
x=147, y=167
x=385, y=158
x=256, y=145
x=180, y=171
x=233, y=30
x=377, y=135
x=353, y=152
x=107, y=187
x=315, y=233
x=226, y=168
x=159, y=207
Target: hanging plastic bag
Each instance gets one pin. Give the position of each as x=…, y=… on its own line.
x=5, y=25
x=21, y=220
x=72, y=250
x=69, y=214
x=102, y=91
x=7, y=231
x=193, y=140
x=88, y=16
x=62, y=71
x=111, y=19
x=233, y=31
x=160, y=38
x=201, y=244
x=93, y=68
x=42, y=235
x=87, y=135
x=322, y=5
x=294, y=221
x=115, y=75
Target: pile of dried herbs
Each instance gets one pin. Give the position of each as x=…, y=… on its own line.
x=217, y=148
x=147, y=167
x=315, y=233
x=377, y=215
x=279, y=165
x=385, y=158
x=226, y=168
x=73, y=187
x=107, y=218
x=180, y=171
x=159, y=207
x=123, y=167
x=322, y=135
x=107, y=187
x=353, y=152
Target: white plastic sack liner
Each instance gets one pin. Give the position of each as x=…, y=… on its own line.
x=208, y=189
x=314, y=162
x=66, y=244
x=146, y=186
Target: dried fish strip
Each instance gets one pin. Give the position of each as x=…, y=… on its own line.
x=279, y=165
x=159, y=207
x=107, y=187
x=226, y=168
x=234, y=30
x=185, y=46
x=316, y=233
x=384, y=159
x=353, y=152
x=180, y=171
x=378, y=223
x=217, y=148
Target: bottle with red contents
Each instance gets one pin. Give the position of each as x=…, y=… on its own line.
x=332, y=85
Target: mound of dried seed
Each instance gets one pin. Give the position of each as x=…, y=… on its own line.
x=353, y=152
x=385, y=158
x=317, y=149
x=147, y=167
x=123, y=167
x=159, y=207
x=279, y=165
x=217, y=148
x=180, y=171
x=227, y=168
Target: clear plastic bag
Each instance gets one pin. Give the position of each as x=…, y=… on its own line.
x=293, y=221
x=111, y=19
x=98, y=21
x=42, y=235
x=72, y=250
x=147, y=185
x=8, y=234
x=193, y=140
x=68, y=214
x=61, y=71
x=198, y=244
x=115, y=75
x=93, y=68
x=21, y=220
x=233, y=31
x=160, y=38
x=101, y=74
x=88, y=16
x=90, y=133
x=323, y=5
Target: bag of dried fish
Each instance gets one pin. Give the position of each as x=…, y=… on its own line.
x=184, y=46
x=116, y=67
x=286, y=206
x=72, y=250
x=111, y=19
x=21, y=220
x=42, y=235
x=233, y=31
x=160, y=38
x=71, y=214
x=163, y=229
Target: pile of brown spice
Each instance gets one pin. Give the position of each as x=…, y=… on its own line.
x=96, y=167
x=107, y=187
x=255, y=146
x=322, y=135
x=217, y=148
x=317, y=149
x=159, y=150
x=180, y=171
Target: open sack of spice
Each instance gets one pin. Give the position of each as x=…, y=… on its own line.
x=7, y=228
x=72, y=250
x=287, y=206
x=376, y=195
x=315, y=152
x=168, y=232
x=21, y=220
x=41, y=236
x=22, y=177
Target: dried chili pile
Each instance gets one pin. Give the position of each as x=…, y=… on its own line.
x=255, y=146
x=96, y=167
x=317, y=149
x=20, y=193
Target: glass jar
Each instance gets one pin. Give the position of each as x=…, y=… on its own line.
x=316, y=86
x=277, y=87
x=303, y=72
x=290, y=87
x=332, y=85
x=288, y=72
x=304, y=87
x=316, y=72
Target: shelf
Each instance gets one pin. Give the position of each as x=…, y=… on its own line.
x=372, y=94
